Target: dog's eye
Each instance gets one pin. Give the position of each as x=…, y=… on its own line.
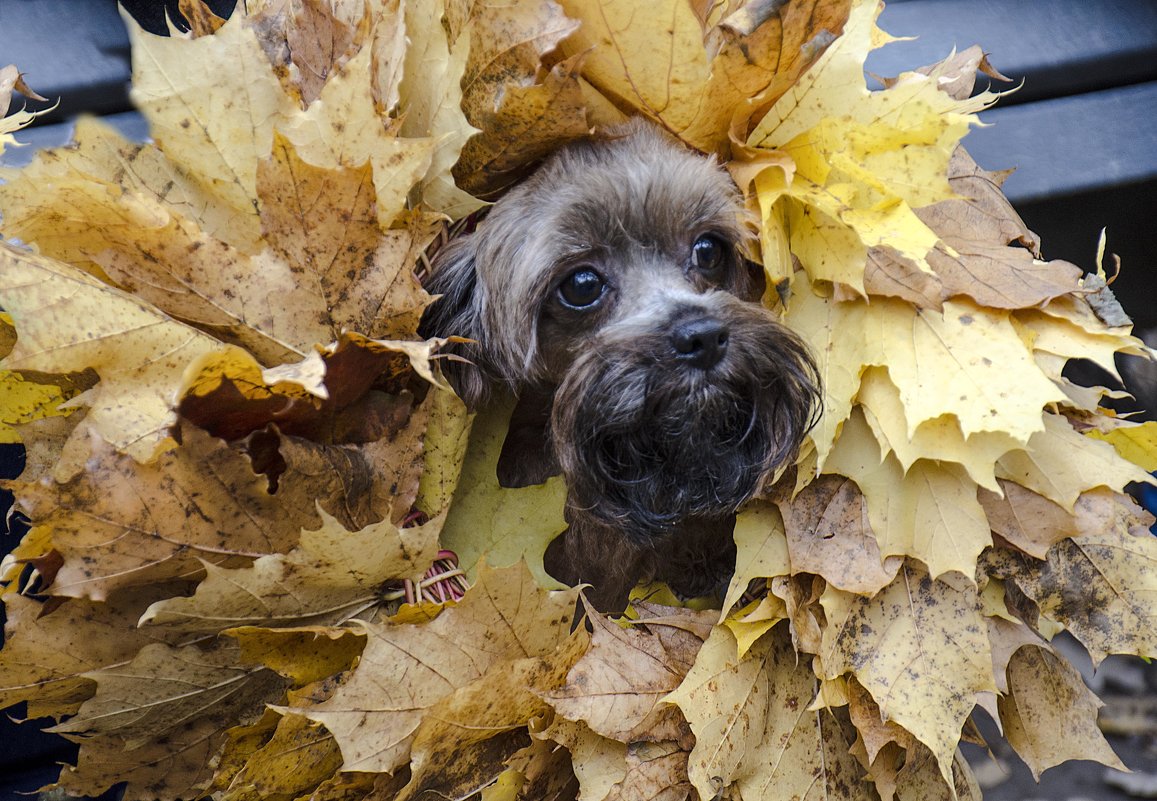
x=708, y=253
x=581, y=288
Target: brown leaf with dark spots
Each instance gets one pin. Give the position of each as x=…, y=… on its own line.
x=46, y=658
x=319, y=41
x=656, y=771
x=158, y=723
x=323, y=223
x=123, y=524
x=617, y=687
x=1099, y=584
x=1049, y=715
x=530, y=123
x=828, y=534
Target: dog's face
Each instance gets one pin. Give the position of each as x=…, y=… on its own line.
x=613, y=282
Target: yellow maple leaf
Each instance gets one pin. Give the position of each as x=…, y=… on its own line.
x=432, y=92
x=70, y=322
x=919, y=647
x=929, y=512
x=752, y=728
x=1137, y=443
x=214, y=126
x=862, y=160
x=1048, y=713
x=698, y=77
x=939, y=439
x=1060, y=464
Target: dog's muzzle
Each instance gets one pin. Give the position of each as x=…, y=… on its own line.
x=685, y=419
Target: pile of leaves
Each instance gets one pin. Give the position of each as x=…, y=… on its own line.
x=255, y=505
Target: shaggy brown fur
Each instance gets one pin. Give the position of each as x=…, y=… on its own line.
x=610, y=293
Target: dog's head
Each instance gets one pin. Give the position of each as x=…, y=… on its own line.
x=613, y=283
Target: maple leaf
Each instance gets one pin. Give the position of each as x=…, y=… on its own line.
x=406, y=671
x=70, y=322
x=158, y=722
x=123, y=524
x=211, y=362
x=929, y=511
x=500, y=525
x=697, y=76
x=828, y=534
x=1048, y=713
x=431, y=83
x=332, y=575
x=47, y=658
x=753, y=728
x=616, y=686
x=208, y=130
x=1098, y=583
x=919, y=647
x=851, y=185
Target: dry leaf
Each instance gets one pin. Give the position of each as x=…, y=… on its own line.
x=618, y=684
x=753, y=728
x=1049, y=715
x=410, y=668
x=920, y=647
x=123, y=524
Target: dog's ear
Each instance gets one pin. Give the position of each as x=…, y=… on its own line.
x=458, y=313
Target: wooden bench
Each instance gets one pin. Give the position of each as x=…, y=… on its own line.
x=1081, y=129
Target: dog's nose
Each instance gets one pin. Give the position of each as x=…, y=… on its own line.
x=700, y=343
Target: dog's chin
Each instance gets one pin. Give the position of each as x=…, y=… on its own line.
x=645, y=443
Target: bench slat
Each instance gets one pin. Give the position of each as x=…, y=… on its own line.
x=1058, y=47
x=77, y=50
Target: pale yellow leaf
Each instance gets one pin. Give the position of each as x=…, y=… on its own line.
x=920, y=647
x=753, y=729
x=1060, y=464
x=431, y=104
x=761, y=549
x=69, y=322
x=1049, y=715
x=217, y=124
x=939, y=439
x=929, y=512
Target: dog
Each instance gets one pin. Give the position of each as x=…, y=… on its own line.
x=611, y=294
